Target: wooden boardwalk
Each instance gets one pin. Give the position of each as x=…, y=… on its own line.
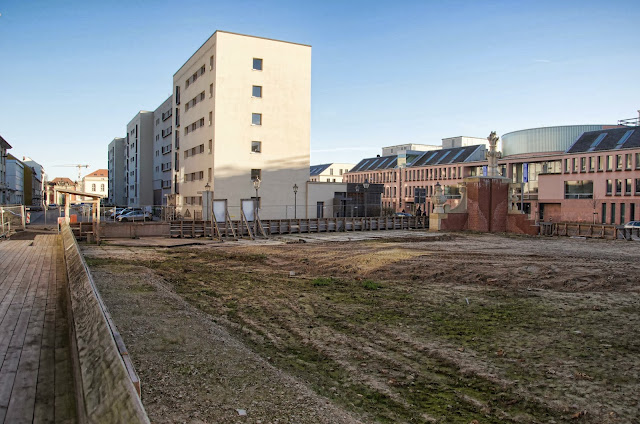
x=36, y=380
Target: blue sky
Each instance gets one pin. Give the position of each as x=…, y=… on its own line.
x=73, y=74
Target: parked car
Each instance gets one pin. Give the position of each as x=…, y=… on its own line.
x=53, y=206
x=403, y=214
x=137, y=215
x=632, y=224
x=115, y=212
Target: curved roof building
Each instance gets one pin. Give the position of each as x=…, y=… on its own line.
x=546, y=139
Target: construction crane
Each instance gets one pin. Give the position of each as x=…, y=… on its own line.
x=79, y=166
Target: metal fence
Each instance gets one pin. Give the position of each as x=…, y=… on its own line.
x=12, y=217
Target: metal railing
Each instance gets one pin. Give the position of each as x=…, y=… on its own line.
x=12, y=217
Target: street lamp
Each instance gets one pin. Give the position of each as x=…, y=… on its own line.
x=256, y=185
x=366, y=187
x=295, y=201
x=209, y=205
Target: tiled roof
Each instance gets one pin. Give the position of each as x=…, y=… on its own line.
x=63, y=181
x=318, y=169
x=609, y=139
x=98, y=173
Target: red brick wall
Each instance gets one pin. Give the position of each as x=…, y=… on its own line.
x=455, y=222
x=488, y=200
x=478, y=202
x=519, y=224
x=499, y=206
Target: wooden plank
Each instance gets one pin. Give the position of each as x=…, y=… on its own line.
x=23, y=302
x=64, y=394
x=23, y=395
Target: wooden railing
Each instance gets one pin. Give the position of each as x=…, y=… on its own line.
x=576, y=229
x=236, y=229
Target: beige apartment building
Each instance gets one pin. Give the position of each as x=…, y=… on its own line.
x=96, y=182
x=242, y=108
x=329, y=172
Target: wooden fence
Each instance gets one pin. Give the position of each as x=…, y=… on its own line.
x=575, y=229
x=267, y=227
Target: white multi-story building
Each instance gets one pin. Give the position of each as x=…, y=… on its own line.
x=138, y=154
x=242, y=112
x=96, y=182
x=162, y=148
x=15, y=181
x=329, y=172
x=399, y=149
x=116, y=172
x=463, y=141
x=4, y=146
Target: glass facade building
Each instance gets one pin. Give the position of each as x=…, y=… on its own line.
x=547, y=139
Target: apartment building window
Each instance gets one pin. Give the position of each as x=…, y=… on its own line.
x=622, y=212
x=210, y=90
x=609, y=187
x=632, y=211
x=256, y=91
x=613, y=213
x=637, y=160
x=627, y=160
x=256, y=174
x=210, y=146
x=177, y=95
x=618, y=162
x=592, y=164
x=583, y=164
x=210, y=118
x=211, y=63
x=575, y=164
x=101, y=187
x=637, y=186
x=627, y=187
x=256, y=146
x=202, y=70
x=567, y=168
x=256, y=119
x=599, y=163
x=157, y=121
x=604, y=213
x=257, y=64
x=209, y=174
x=618, y=187
x=609, y=163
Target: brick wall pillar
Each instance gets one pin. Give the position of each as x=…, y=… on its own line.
x=487, y=204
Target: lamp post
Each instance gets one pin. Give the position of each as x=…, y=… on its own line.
x=209, y=205
x=366, y=187
x=256, y=185
x=295, y=201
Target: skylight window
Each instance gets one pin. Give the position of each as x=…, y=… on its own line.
x=596, y=142
x=624, y=139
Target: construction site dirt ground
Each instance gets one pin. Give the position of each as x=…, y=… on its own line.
x=398, y=326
